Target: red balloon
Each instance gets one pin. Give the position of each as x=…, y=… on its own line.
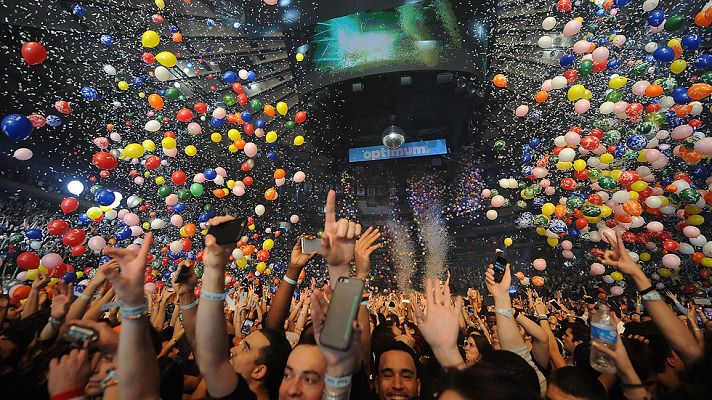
x=57, y=227
x=564, y=5
x=74, y=237
x=247, y=180
x=153, y=162
x=184, y=115
x=104, y=160
x=300, y=117
x=242, y=99
x=590, y=142
x=201, y=107
x=78, y=250
x=178, y=177
x=34, y=53
x=20, y=293
x=186, y=244
x=249, y=129
x=28, y=260
x=149, y=278
x=581, y=223
x=58, y=271
x=263, y=255
x=568, y=184
x=69, y=205
x=595, y=199
x=600, y=66
x=237, y=88
x=628, y=237
x=671, y=245
x=148, y=58
x=571, y=75
x=596, y=132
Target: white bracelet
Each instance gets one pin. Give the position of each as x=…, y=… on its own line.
x=340, y=382
x=289, y=280
x=189, y=306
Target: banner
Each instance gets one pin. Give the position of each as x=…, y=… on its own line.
x=412, y=149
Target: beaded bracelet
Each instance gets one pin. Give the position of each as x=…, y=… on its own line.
x=212, y=296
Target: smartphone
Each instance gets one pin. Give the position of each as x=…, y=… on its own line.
x=555, y=304
x=470, y=309
x=311, y=245
x=247, y=326
x=80, y=336
x=702, y=301
x=243, y=297
x=500, y=264
x=342, y=311
x=229, y=232
x=183, y=274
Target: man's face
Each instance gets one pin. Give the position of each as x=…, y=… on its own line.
x=553, y=321
x=397, y=376
x=569, y=344
x=304, y=375
x=244, y=356
x=635, y=318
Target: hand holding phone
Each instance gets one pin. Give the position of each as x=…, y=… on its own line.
x=229, y=232
x=343, y=307
x=311, y=245
x=500, y=266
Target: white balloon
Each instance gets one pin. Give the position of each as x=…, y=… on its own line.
x=621, y=196
x=560, y=141
x=699, y=241
x=162, y=73
x=158, y=224
x=707, y=249
x=35, y=244
x=608, y=279
x=567, y=154
x=109, y=69
x=686, y=248
x=545, y=42
x=606, y=107
x=651, y=47
x=650, y=5
x=22, y=154
x=237, y=254
x=176, y=246
x=260, y=209
x=491, y=215
x=637, y=222
x=242, y=74
x=594, y=236
x=219, y=180
x=559, y=82
x=634, y=256
x=133, y=201
x=111, y=215
x=549, y=23
x=152, y=126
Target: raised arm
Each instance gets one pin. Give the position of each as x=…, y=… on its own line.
x=362, y=258
x=95, y=309
x=32, y=304
x=188, y=303
x=338, y=241
x=557, y=360
x=507, y=332
x=79, y=306
x=540, y=340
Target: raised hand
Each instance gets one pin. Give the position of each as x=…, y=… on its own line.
x=440, y=325
x=364, y=248
x=189, y=284
x=215, y=255
x=299, y=258
x=71, y=371
x=618, y=256
x=498, y=289
x=128, y=284
x=61, y=299
x=339, y=237
x=41, y=281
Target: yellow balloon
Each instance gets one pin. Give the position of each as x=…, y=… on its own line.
x=675, y=42
x=271, y=137
x=251, y=227
x=168, y=143
x=146, y=226
x=641, y=155
x=587, y=94
x=267, y=272
x=548, y=209
x=706, y=262
x=645, y=256
x=52, y=281
x=633, y=195
x=268, y=244
x=261, y=267
x=299, y=57
x=639, y=186
x=664, y=201
x=241, y=262
x=692, y=210
x=564, y=165
x=617, y=82
x=80, y=274
x=160, y=180
x=230, y=184
x=149, y=145
x=553, y=242
x=541, y=231
x=616, y=174
x=282, y=107
x=605, y=211
x=123, y=85
x=508, y=242
x=617, y=276
x=94, y=212
x=160, y=4
x=104, y=208
x=167, y=59
x=43, y=269
x=695, y=220
x=215, y=137
x=579, y=165
x=190, y=150
x=146, y=174
x=678, y=66
x=141, y=94
x=133, y=150
x=576, y=92
x=606, y=158
x=664, y=272
x=150, y=39
x=232, y=148
x=298, y=140
x=234, y=135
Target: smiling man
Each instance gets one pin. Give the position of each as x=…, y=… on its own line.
x=397, y=374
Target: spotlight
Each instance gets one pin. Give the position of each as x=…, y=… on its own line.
x=393, y=137
x=75, y=187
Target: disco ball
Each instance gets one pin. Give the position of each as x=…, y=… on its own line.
x=393, y=137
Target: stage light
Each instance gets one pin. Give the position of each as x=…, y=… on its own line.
x=75, y=187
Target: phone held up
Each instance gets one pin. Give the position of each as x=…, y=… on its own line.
x=81, y=337
x=500, y=265
x=247, y=326
x=229, y=232
x=342, y=311
x=311, y=245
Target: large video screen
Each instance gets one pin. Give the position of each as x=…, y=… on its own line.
x=413, y=36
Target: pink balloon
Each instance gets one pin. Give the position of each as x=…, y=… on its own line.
x=681, y=132
x=170, y=152
x=115, y=136
x=294, y=218
x=171, y=199
x=194, y=128
x=540, y=172
x=549, y=190
x=600, y=54
x=22, y=154
x=122, y=213
x=605, y=233
x=522, y=110
x=661, y=162
x=139, y=180
x=150, y=287
x=620, y=107
x=131, y=219
x=544, y=183
x=270, y=2
x=639, y=88
x=567, y=254
x=97, y=243
x=704, y=146
x=652, y=154
x=136, y=231
x=655, y=226
x=238, y=190
x=671, y=261
x=539, y=264
x=657, y=29
x=616, y=290
x=582, y=47
x=199, y=178
x=486, y=193
x=497, y=201
x=299, y=177
x=572, y=138
x=546, y=86
x=259, y=132
x=691, y=231
x=572, y=27
x=280, y=181
x=567, y=245
x=221, y=171
x=250, y=149
x=219, y=113
x=581, y=106
x=597, y=269
x=51, y=260
x=619, y=40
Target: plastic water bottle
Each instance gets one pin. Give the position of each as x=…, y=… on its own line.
x=604, y=333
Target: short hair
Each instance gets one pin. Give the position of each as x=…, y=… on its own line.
x=578, y=382
x=396, y=345
x=274, y=356
x=580, y=332
x=487, y=382
x=514, y=366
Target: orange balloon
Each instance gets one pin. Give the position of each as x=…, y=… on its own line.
x=177, y=37
x=560, y=211
x=699, y=91
x=697, y=257
x=690, y=156
x=240, y=144
x=701, y=19
x=708, y=15
x=155, y=101
x=270, y=194
x=500, y=81
x=247, y=250
x=219, y=193
x=189, y=229
x=109, y=127
x=626, y=219
x=632, y=207
x=537, y=281
x=270, y=110
x=654, y=90
x=682, y=110
x=279, y=173
x=541, y=96
x=678, y=52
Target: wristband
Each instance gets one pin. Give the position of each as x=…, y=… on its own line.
x=507, y=312
x=651, y=296
x=340, y=382
x=191, y=305
x=212, y=296
x=289, y=280
x=84, y=296
x=55, y=322
x=69, y=394
x=542, y=318
x=646, y=291
x=134, y=313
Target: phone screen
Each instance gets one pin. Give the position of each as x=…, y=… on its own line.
x=229, y=232
x=500, y=265
x=247, y=326
x=701, y=301
x=555, y=304
x=342, y=311
x=311, y=245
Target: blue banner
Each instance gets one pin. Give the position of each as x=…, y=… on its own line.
x=412, y=149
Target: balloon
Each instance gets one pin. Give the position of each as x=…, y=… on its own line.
x=167, y=59
x=572, y=27
x=34, y=53
x=282, y=108
x=539, y=264
x=499, y=81
x=17, y=127
x=549, y=23
x=260, y=209
x=299, y=177
x=250, y=149
x=162, y=73
x=57, y=227
x=491, y=215
x=522, y=110
x=97, y=243
x=22, y=154
x=51, y=260
x=28, y=260
x=294, y=218
x=69, y=205
x=150, y=39
x=74, y=237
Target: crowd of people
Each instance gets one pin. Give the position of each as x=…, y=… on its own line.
x=195, y=340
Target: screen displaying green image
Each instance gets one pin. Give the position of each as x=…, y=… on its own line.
x=411, y=36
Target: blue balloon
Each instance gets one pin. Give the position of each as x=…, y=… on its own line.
x=664, y=53
x=260, y=123
x=620, y=150
x=84, y=219
x=703, y=61
x=656, y=17
x=272, y=156
x=297, y=295
x=217, y=122
x=680, y=95
x=103, y=260
x=33, y=234
x=106, y=40
x=246, y=116
x=513, y=291
x=534, y=142
x=602, y=41
x=251, y=76
x=179, y=207
x=138, y=81
x=574, y=233
x=649, y=58
x=212, y=214
x=53, y=121
x=123, y=233
x=637, y=142
x=621, y=3
x=526, y=170
x=17, y=127
x=203, y=217
x=210, y=174
x=90, y=93
x=567, y=60
x=691, y=42
x=172, y=28
x=526, y=159
x=613, y=64
x=69, y=277
x=105, y=197
x=210, y=23
x=600, y=12
x=79, y=11
x=230, y=77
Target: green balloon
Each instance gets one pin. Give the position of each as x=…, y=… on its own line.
x=594, y=174
x=95, y=189
x=689, y=195
x=707, y=77
x=540, y=220
x=591, y=211
x=183, y=194
x=674, y=23
x=606, y=182
x=553, y=160
x=172, y=93
x=521, y=204
x=689, y=143
x=494, y=192
x=639, y=69
x=17, y=237
x=612, y=137
x=585, y=67
x=256, y=105
x=528, y=193
x=289, y=125
x=229, y=100
x=164, y=191
x=207, y=208
x=668, y=84
x=574, y=202
x=656, y=118
x=521, y=185
x=196, y=189
x=614, y=96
